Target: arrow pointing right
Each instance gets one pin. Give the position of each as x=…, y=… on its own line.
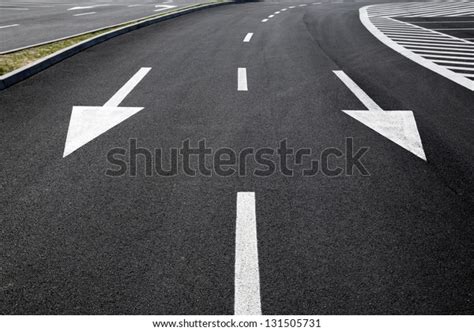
x=399, y=126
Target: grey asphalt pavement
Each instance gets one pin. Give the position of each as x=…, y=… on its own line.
x=396, y=241
x=25, y=23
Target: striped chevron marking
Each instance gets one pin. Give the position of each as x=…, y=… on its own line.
x=438, y=36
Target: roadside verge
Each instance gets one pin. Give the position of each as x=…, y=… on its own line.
x=52, y=53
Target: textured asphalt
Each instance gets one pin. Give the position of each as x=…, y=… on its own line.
x=40, y=21
x=399, y=241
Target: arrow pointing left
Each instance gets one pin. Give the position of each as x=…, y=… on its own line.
x=89, y=122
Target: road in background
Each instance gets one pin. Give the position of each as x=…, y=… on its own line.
x=396, y=241
x=24, y=23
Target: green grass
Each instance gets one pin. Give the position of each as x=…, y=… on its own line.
x=12, y=61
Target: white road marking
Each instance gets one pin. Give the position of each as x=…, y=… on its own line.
x=87, y=7
x=9, y=26
x=372, y=19
x=163, y=7
x=248, y=37
x=247, y=276
x=276, y=13
x=264, y=20
x=242, y=79
x=291, y=7
x=89, y=13
x=284, y=9
x=270, y=16
x=89, y=122
x=358, y=92
x=302, y=5
x=399, y=126
x=13, y=8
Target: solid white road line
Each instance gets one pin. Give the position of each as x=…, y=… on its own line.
x=163, y=7
x=9, y=26
x=89, y=13
x=12, y=8
x=361, y=95
x=125, y=90
x=242, y=79
x=248, y=37
x=247, y=276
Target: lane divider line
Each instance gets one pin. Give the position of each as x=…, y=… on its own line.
x=264, y=20
x=83, y=14
x=248, y=37
x=247, y=276
x=242, y=79
x=9, y=26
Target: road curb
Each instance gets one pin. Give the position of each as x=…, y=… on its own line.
x=20, y=74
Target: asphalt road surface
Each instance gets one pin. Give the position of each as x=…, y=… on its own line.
x=29, y=22
x=395, y=240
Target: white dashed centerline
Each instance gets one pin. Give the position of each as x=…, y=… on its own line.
x=89, y=13
x=247, y=275
x=9, y=26
x=242, y=79
x=264, y=20
x=248, y=37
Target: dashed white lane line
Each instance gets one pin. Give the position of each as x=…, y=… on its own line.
x=247, y=276
x=284, y=9
x=303, y=5
x=242, y=79
x=291, y=7
x=276, y=13
x=264, y=20
x=9, y=26
x=248, y=37
x=270, y=16
x=89, y=13
x=14, y=8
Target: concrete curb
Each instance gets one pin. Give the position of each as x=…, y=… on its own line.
x=20, y=74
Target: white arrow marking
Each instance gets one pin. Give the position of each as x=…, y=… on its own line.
x=163, y=7
x=247, y=276
x=87, y=122
x=397, y=125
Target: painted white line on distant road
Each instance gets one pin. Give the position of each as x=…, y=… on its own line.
x=271, y=16
x=87, y=7
x=276, y=13
x=248, y=37
x=9, y=26
x=264, y=20
x=284, y=9
x=291, y=7
x=302, y=5
x=361, y=95
x=242, y=79
x=247, y=275
x=163, y=7
x=89, y=13
x=14, y=8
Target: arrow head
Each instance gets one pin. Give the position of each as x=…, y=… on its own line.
x=398, y=125
x=88, y=123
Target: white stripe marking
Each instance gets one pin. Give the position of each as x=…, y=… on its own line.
x=82, y=14
x=248, y=37
x=361, y=95
x=242, y=79
x=264, y=20
x=9, y=26
x=270, y=16
x=247, y=277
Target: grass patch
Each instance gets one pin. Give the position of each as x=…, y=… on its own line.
x=12, y=61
